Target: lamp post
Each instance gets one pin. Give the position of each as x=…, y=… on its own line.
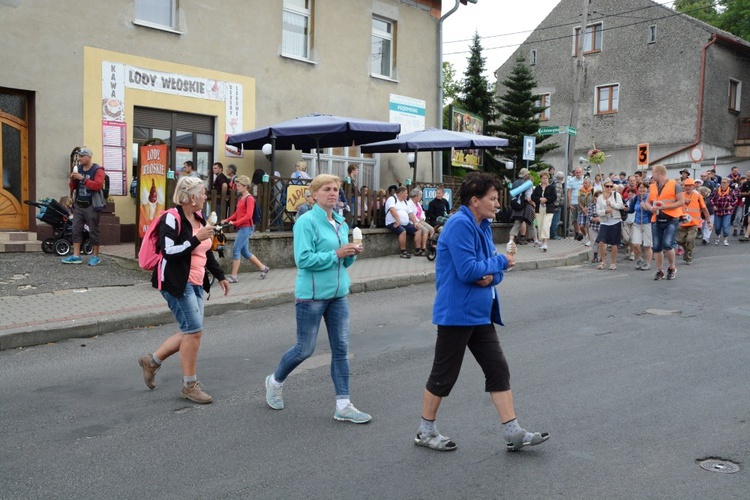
x=412, y=159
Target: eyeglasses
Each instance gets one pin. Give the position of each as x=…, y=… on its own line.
x=608, y=186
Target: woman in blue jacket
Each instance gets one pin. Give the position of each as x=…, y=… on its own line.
x=466, y=306
x=322, y=253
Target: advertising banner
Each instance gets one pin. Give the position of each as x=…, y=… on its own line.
x=152, y=183
x=463, y=121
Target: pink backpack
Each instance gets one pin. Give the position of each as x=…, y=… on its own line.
x=148, y=256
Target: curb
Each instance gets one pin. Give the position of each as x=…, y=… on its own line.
x=25, y=336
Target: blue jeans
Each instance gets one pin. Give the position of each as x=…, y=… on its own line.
x=241, y=246
x=555, y=223
x=722, y=223
x=335, y=312
x=188, y=309
x=663, y=234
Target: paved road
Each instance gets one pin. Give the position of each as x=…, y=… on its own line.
x=635, y=380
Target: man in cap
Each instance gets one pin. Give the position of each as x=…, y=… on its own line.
x=86, y=182
x=694, y=208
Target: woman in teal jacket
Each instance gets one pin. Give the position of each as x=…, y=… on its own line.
x=322, y=252
x=466, y=305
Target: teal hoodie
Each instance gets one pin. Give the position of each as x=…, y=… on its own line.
x=321, y=275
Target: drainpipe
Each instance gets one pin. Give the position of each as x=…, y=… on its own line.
x=439, y=124
x=698, y=133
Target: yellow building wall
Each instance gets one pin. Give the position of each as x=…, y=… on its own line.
x=92, y=110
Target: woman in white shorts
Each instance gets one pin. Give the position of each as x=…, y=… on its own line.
x=641, y=229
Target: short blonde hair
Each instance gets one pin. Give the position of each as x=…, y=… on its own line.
x=301, y=165
x=186, y=187
x=322, y=180
x=242, y=179
x=659, y=169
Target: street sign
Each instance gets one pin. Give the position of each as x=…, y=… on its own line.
x=529, y=147
x=696, y=154
x=562, y=129
x=642, y=155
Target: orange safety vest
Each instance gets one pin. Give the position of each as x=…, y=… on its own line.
x=694, y=207
x=668, y=195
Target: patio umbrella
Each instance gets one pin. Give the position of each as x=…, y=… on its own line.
x=316, y=131
x=433, y=139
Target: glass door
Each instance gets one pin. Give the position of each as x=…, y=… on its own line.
x=14, y=161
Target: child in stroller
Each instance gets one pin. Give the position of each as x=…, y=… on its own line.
x=58, y=215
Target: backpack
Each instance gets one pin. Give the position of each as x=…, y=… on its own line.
x=149, y=256
x=518, y=202
x=257, y=213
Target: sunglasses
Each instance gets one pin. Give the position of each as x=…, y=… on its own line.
x=608, y=186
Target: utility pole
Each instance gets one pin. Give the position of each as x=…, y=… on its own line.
x=570, y=143
x=578, y=75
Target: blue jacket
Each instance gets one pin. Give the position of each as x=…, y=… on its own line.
x=642, y=216
x=465, y=254
x=321, y=275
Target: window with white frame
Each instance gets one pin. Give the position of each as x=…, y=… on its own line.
x=543, y=102
x=532, y=57
x=652, y=34
x=735, y=94
x=607, y=99
x=297, y=28
x=592, y=42
x=156, y=13
x=382, y=52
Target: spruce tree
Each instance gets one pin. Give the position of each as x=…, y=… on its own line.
x=518, y=112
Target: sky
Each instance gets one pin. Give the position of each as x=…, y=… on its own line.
x=496, y=21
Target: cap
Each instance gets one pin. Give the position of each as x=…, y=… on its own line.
x=84, y=151
x=689, y=182
x=560, y=175
x=523, y=172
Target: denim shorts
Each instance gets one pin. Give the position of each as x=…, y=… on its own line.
x=188, y=309
x=663, y=234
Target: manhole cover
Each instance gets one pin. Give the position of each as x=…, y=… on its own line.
x=719, y=465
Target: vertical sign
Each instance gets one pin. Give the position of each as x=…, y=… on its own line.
x=408, y=112
x=529, y=147
x=152, y=185
x=643, y=155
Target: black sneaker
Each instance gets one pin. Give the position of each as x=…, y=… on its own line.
x=671, y=272
x=405, y=254
x=579, y=236
x=659, y=275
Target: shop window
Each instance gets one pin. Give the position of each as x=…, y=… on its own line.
x=297, y=28
x=543, y=102
x=735, y=94
x=607, y=99
x=160, y=14
x=382, y=61
x=592, y=42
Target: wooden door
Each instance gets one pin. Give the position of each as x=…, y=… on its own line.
x=14, y=162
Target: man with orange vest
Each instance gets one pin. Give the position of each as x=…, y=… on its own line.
x=693, y=209
x=665, y=201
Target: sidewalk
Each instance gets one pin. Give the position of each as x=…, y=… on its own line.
x=48, y=317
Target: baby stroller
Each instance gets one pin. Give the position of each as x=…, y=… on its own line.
x=54, y=214
x=433, y=240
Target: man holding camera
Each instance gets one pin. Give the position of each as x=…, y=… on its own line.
x=87, y=182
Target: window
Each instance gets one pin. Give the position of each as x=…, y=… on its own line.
x=382, y=60
x=156, y=13
x=543, y=102
x=592, y=42
x=532, y=57
x=735, y=94
x=296, y=35
x=652, y=34
x=607, y=99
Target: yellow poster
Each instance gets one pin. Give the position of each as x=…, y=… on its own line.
x=295, y=196
x=152, y=183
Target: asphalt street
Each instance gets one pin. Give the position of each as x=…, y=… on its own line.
x=636, y=381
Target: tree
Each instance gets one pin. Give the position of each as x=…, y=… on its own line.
x=476, y=94
x=728, y=15
x=519, y=116
x=450, y=86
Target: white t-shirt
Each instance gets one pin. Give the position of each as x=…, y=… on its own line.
x=401, y=207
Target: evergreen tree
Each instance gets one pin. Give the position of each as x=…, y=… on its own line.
x=476, y=94
x=519, y=113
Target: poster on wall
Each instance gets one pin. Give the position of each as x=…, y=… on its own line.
x=408, y=112
x=152, y=184
x=470, y=123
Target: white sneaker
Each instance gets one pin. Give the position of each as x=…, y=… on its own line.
x=588, y=243
x=544, y=247
x=631, y=256
x=716, y=241
x=726, y=243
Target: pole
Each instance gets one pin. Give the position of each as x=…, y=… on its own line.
x=439, y=110
x=570, y=143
